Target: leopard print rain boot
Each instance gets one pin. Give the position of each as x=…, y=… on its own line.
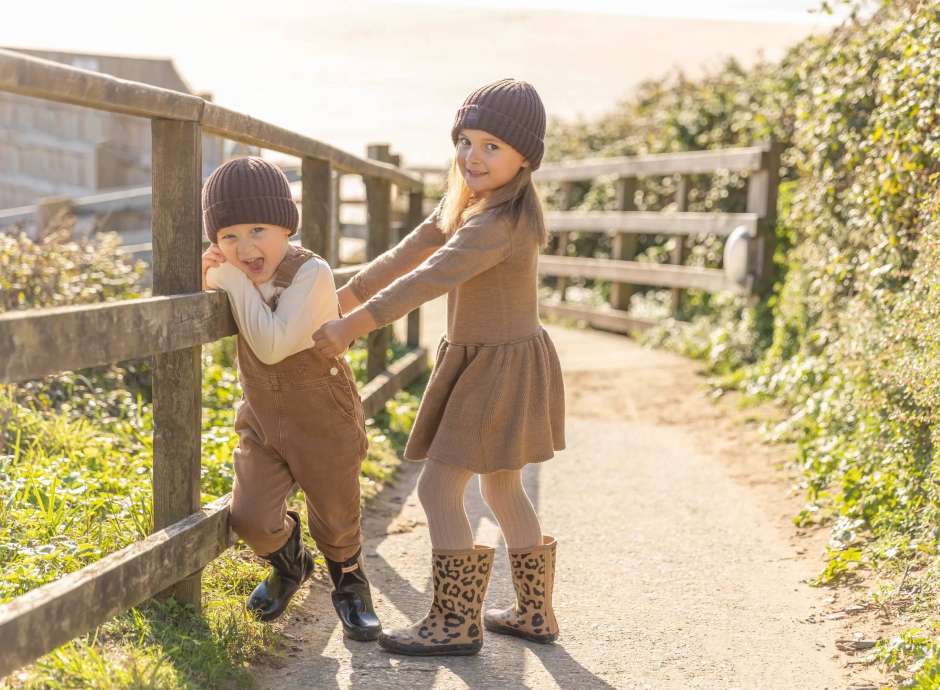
x=533, y=577
x=453, y=625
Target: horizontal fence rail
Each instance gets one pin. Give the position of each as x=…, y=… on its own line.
x=51, y=81
x=638, y=273
x=48, y=616
x=685, y=163
x=626, y=223
x=171, y=327
x=40, y=342
x=651, y=223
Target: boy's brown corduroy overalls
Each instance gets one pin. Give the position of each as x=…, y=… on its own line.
x=301, y=422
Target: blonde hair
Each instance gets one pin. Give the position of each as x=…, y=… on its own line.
x=517, y=198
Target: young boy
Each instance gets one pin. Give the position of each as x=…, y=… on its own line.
x=301, y=420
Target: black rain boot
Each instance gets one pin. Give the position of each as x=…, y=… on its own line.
x=352, y=599
x=292, y=564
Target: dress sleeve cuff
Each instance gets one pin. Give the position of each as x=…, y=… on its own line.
x=358, y=289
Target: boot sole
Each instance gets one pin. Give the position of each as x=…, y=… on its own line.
x=437, y=650
x=515, y=632
x=268, y=617
x=361, y=636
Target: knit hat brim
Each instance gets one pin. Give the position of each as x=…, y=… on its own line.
x=475, y=116
x=265, y=209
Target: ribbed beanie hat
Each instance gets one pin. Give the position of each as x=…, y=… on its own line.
x=247, y=190
x=509, y=109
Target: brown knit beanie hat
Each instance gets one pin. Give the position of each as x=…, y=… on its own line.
x=509, y=109
x=247, y=190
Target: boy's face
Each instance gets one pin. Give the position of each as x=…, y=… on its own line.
x=486, y=161
x=255, y=248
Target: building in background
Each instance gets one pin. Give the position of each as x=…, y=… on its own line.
x=56, y=149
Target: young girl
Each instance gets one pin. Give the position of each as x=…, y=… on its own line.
x=495, y=401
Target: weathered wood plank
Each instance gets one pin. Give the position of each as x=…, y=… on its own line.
x=248, y=130
x=53, y=81
x=316, y=201
x=623, y=246
x=688, y=162
x=565, y=202
x=53, y=614
x=379, y=217
x=649, y=222
x=39, y=342
x=762, y=201
x=382, y=387
x=413, y=220
x=177, y=375
x=678, y=251
x=604, y=319
x=662, y=275
x=335, y=224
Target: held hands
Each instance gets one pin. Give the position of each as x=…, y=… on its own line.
x=211, y=258
x=333, y=338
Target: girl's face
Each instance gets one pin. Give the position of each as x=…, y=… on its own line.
x=486, y=161
x=255, y=248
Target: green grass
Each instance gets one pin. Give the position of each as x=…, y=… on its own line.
x=75, y=459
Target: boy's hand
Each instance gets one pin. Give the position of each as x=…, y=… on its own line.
x=211, y=258
x=333, y=338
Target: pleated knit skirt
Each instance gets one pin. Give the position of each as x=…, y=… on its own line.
x=492, y=407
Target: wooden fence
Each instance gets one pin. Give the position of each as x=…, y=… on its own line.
x=171, y=326
x=626, y=223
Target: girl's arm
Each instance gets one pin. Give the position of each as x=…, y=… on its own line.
x=413, y=249
x=347, y=299
x=303, y=306
x=476, y=247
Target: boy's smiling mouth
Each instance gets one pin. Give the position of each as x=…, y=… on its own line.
x=255, y=265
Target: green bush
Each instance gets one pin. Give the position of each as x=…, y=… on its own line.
x=59, y=270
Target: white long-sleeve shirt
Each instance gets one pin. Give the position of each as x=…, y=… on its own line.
x=302, y=307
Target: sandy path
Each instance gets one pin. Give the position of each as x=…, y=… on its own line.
x=677, y=567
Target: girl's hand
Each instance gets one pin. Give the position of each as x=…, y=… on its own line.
x=211, y=258
x=333, y=338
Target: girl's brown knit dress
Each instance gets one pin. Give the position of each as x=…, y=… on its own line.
x=496, y=399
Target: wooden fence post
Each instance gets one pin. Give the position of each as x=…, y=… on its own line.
x=315, y=203
x=412, y=220
x=762, y=200
x=177, y=375
x=566, y=202
x=624, y=245
x=335, y=183
x=379, y=218
x=678, y=252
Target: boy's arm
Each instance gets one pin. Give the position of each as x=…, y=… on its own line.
x=308, y=302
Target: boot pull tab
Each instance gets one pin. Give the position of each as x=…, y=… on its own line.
x=350, y=568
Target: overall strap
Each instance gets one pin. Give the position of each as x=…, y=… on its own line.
x=287, y=269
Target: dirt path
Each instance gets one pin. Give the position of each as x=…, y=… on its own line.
x=678, y=567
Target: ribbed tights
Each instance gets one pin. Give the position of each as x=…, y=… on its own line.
x=441, y=488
